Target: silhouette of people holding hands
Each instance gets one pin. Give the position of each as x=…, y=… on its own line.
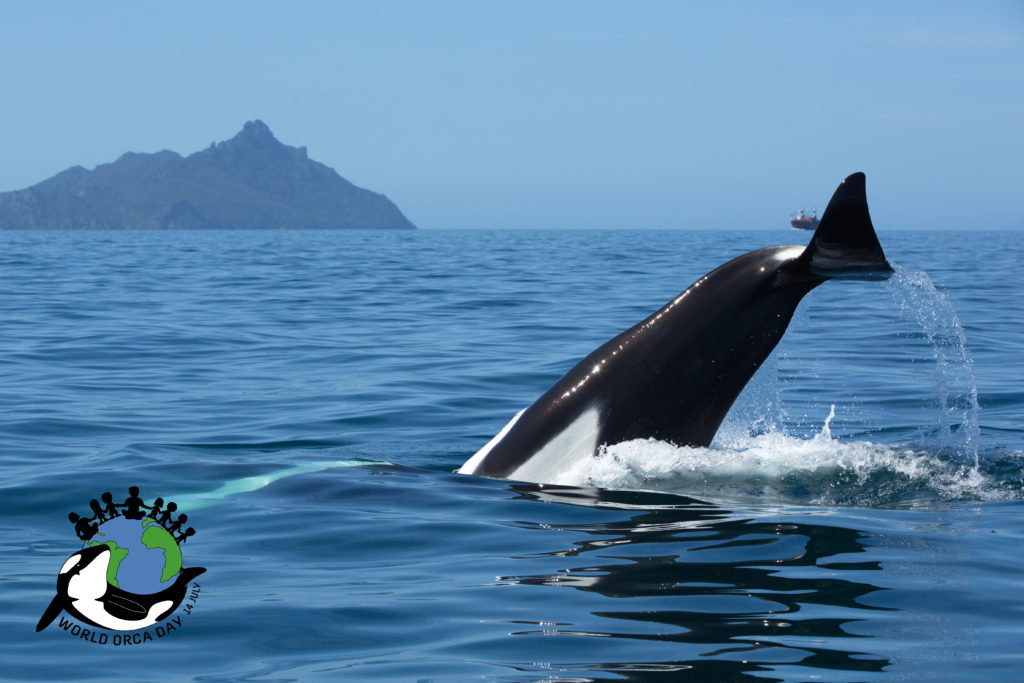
x=165, y=518
x=97, y=511
x=84, y=530
x=110, y=508
x=133, y=504
x=176, y=526
x=134, y=507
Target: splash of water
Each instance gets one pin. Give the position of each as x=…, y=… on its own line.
x=774, y=467
x=956, y=390
x=757, y=410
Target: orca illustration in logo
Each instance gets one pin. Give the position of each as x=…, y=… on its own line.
x=674, y=376
x=129, y=573
x=83, y=592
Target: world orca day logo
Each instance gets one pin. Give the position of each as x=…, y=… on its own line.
x=128, y=577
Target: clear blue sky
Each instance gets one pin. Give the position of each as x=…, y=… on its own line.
x=549, y=114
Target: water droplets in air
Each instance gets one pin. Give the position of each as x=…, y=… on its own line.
x=955, y=388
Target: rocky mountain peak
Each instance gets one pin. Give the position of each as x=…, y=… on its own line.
x=249, y=181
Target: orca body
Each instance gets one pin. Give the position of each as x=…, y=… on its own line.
x=83, y=592
x=674, y=376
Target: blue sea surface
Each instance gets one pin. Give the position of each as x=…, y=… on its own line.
x=306, y=397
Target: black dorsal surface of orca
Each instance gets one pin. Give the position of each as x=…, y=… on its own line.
x=83, y=592
x=674, y=376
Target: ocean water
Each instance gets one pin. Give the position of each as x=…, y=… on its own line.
x=305, y=397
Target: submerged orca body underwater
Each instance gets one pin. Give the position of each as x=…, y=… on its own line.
x=674, y=376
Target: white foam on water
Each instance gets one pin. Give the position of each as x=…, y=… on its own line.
x=775, y=467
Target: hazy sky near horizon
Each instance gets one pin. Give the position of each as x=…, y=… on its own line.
x=575, y=114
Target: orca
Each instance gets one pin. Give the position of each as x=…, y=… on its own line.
x=83, y=592
x=674, y=376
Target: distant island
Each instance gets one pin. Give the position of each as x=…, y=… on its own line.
x=249, y=181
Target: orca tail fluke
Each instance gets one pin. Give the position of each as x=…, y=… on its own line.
x=187, y=574
x=845, y=244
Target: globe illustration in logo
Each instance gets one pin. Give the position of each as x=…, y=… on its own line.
x=144, y=557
